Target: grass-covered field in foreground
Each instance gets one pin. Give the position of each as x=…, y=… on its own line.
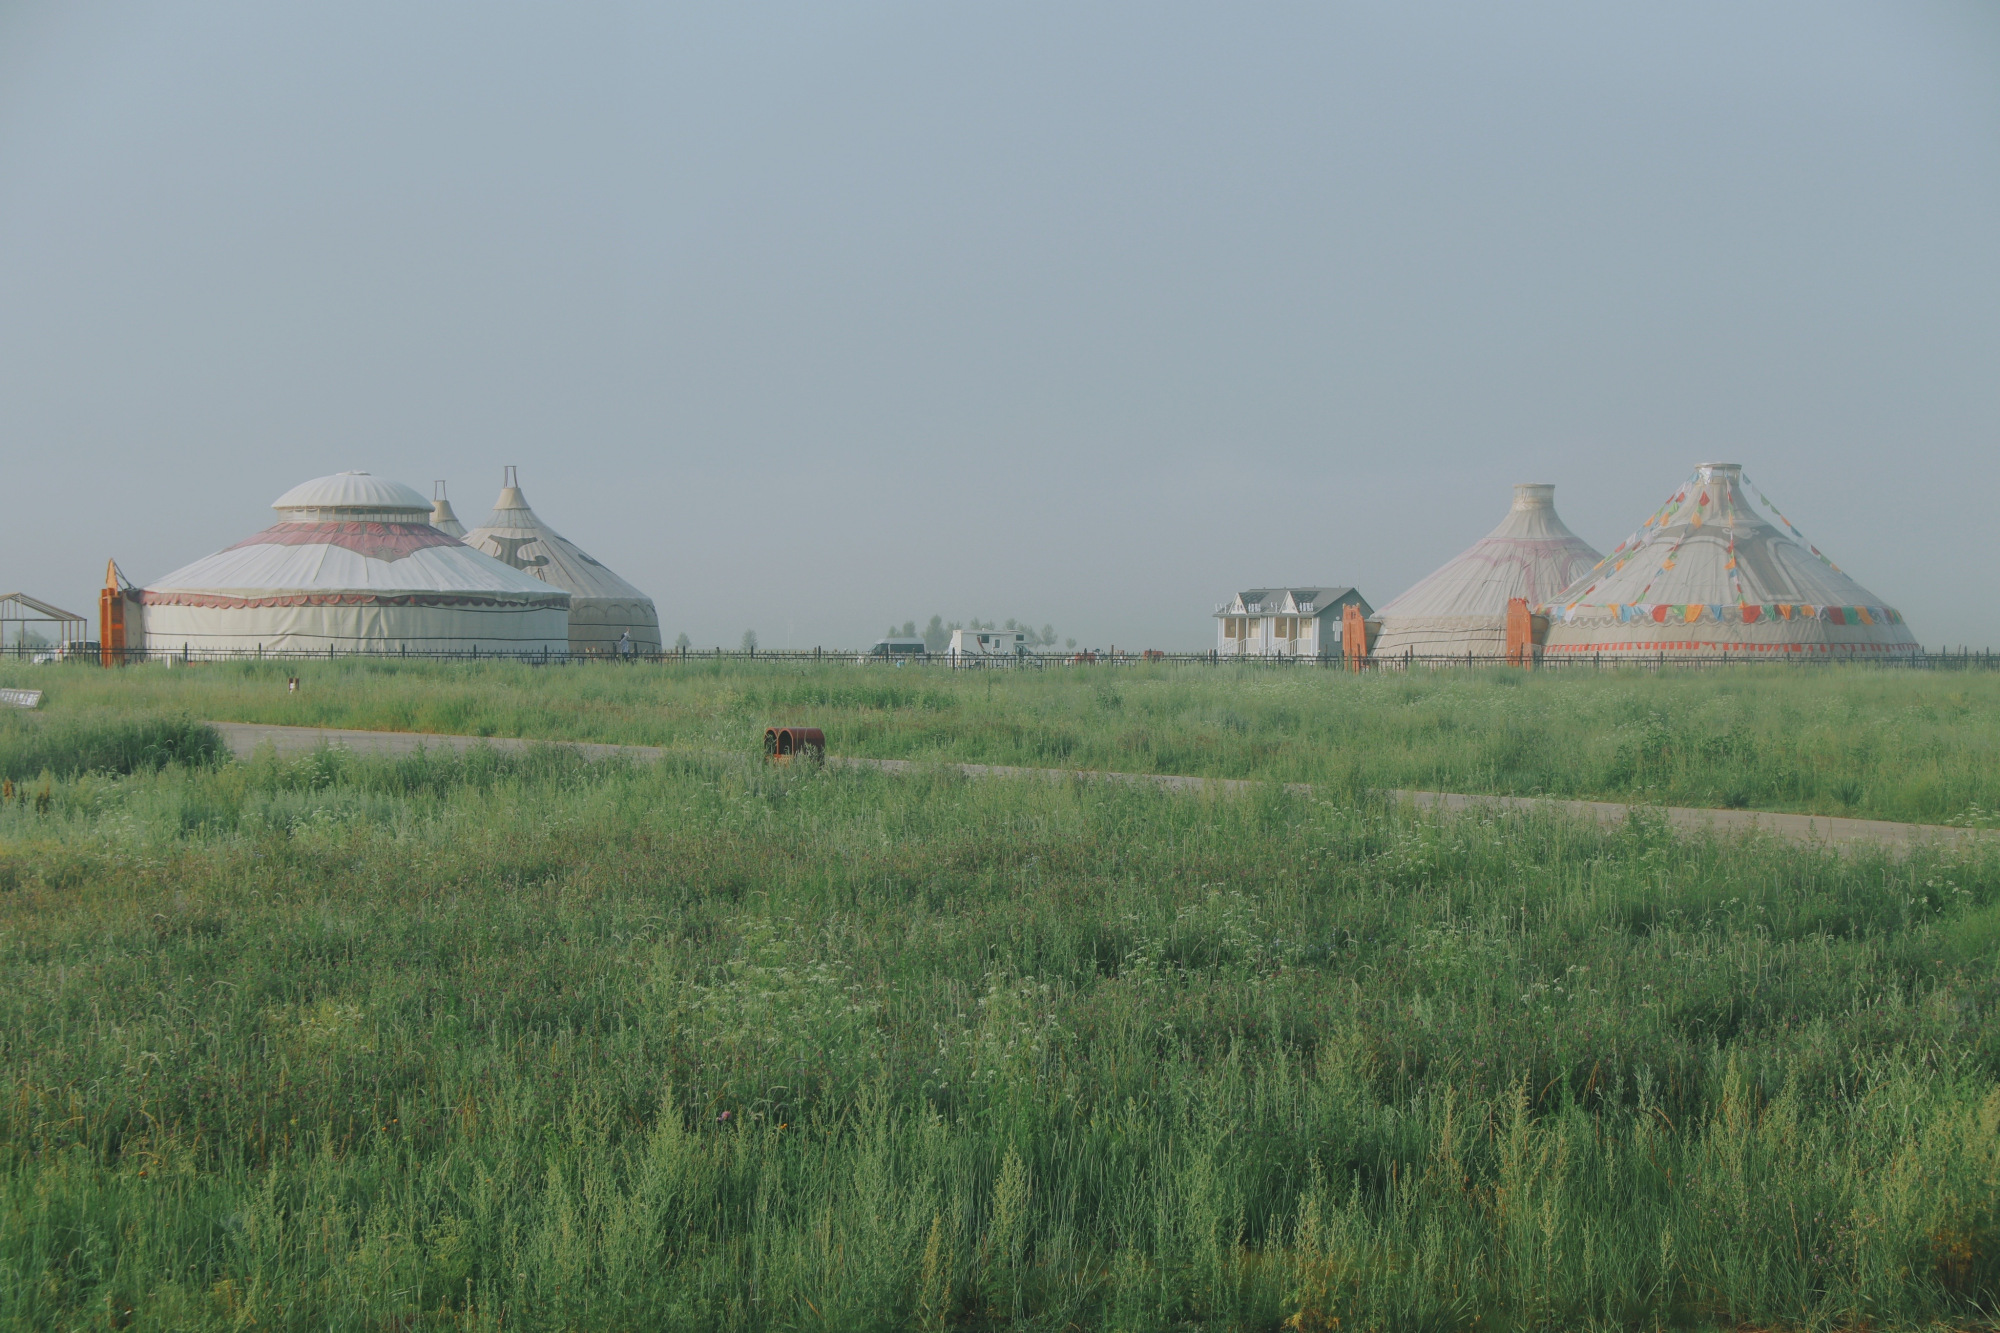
x=518, y=1042
x=1885, y=744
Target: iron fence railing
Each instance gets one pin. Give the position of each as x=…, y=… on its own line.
x=1920, y=659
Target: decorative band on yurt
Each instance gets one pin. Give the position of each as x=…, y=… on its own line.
x=1731, y=646
x=1692, y=613
x=554, y=601
x=376, y=541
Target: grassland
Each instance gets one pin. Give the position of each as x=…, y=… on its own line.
x=515, y=1041
x=1912, y=746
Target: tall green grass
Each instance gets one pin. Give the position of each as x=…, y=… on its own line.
x=1901, y=745
x=515, y=1041
x=101, y=740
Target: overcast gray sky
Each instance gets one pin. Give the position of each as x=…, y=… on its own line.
x=810, y=318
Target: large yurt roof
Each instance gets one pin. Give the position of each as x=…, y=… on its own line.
x=1707, y=570
x=350, y=535
x=514, y=533
x=1462, y=605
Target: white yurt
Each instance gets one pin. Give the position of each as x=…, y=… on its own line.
x=442, y=517
x=603, y=608
x=1462, y=607
x=353, y=564
x=1708, y=574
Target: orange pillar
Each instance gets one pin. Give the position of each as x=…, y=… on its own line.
x=1520, y=633
x=1353, y=636
x=111, y=617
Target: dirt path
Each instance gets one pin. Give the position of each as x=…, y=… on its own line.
x=245, y=737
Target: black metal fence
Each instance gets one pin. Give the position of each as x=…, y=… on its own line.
x=1921, y=659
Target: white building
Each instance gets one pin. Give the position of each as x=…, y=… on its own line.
x=353, y=564
x=1284, y=622
x=987, y=643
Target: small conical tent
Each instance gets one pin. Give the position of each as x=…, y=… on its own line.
x=354, y=565
x=602, y=607
x=1462, y=607
x=442, y=517
x=1708, y=574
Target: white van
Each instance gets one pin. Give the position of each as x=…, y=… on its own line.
x=895, y=647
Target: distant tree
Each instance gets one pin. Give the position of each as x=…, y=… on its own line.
x=749, y=640
x=1049, y=635
x=936, y=636
x=1012, y=623
x=682, y=643
x=909, y=629
x=1070, y=644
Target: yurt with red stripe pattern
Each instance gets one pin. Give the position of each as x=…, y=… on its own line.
x=1707, y=574
x=353, y=564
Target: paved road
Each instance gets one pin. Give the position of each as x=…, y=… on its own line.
x=245, y=737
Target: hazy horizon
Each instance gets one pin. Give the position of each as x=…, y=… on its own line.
x=817, y=319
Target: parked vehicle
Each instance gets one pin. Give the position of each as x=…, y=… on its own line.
x=77, y=650
x=988, y=643
x=894, y=648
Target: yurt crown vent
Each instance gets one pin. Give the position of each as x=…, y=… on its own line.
x=349, y=496
x=1534, y=495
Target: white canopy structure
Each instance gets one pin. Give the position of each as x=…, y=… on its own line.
x=603, y=608
x=1462, y=607
x=354, y=565
x=1708, y=574
x=442, y=517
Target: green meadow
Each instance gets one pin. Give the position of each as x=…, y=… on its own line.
x=1914, y=746
x=517, y=1041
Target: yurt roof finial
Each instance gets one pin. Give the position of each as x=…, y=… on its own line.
x=442, y=517
x=510, y=490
